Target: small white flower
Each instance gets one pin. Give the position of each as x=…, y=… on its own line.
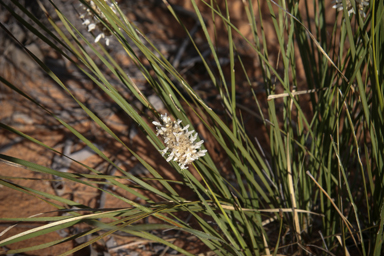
x=91, y=27
x=193, y=138
x=177, y=135
x=163, y=151
x=170, y=157
x=166, y=119
x=198, y=144
x=201, y=153
x=85, y=22
x=101, y=35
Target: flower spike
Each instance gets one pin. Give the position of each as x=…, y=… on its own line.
x=360, y=5
x=180, y=142
x=94, y=18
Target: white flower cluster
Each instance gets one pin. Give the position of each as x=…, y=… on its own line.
x=179, y=142
x=360, y=5
x=93, y=21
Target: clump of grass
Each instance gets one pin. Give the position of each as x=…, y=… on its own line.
x=317, y=187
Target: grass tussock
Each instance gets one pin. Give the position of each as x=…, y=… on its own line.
x=309, y=87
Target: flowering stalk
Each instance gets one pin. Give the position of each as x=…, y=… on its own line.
x=94, y=22
x=180, y=143
x=360, y=5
